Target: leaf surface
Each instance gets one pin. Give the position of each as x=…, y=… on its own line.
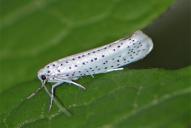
x=36, y=32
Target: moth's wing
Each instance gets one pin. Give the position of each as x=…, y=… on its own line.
x=141, y=46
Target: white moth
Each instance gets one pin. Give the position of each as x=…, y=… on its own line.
x=108, y=58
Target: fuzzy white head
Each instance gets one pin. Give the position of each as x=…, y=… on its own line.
x=42, y=75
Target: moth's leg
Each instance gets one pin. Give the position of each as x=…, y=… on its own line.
x=53, y=93
x=115, y=69
x=34, y=93
x=57, y=103
x=58, y=84
x=74, y=83
x=90, y=74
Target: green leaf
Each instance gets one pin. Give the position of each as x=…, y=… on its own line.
x=36, y=32
x=135, y=98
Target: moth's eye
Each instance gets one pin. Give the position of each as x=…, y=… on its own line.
x=43, y=77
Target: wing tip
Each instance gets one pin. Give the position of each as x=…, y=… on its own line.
x=142, y=36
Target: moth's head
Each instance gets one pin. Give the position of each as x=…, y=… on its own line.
x=42, y=76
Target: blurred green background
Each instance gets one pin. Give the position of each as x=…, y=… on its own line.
x=152, y=93
x=171, y=35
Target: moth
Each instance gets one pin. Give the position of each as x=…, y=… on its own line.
x=108, y=58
